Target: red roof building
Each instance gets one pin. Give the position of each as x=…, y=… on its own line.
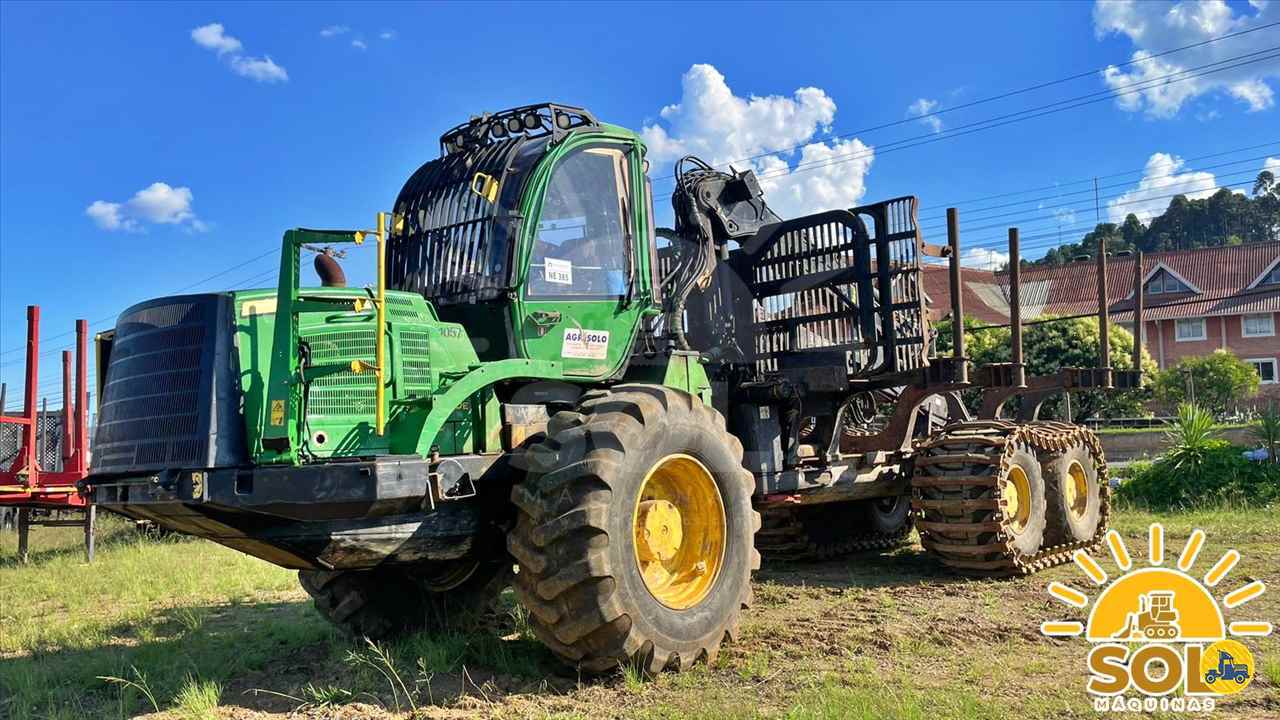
x=1196, y=301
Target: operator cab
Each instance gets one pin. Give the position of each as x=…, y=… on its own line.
x=534, y=230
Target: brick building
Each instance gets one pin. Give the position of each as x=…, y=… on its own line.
x=1197, y=301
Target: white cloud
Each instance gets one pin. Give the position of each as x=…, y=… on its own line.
x=387, y=34
x=261, y=69
x=983, y=258
x=1158, y=26
x=214, y=37
x=710, y=121
x=157, y=204
x=1272, y=165
x=1161, y=180
x=359, y=44
x=334, y=31
x=108, y=217
x=922, y=107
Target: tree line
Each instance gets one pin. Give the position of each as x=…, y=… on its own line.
x=1222, y=219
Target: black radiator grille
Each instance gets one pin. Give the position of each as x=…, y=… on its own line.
x=155, y=405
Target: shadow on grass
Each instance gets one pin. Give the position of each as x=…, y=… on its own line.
x=270, y=656
x=866, y=570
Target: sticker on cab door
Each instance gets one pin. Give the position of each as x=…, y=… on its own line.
x=556, y=271
x=585, y=344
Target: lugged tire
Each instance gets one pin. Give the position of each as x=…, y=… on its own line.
x=1063, y=525
x=574, y=541
x=385, y=602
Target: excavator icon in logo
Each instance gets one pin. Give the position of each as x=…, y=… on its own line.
x=1156, y=619
x=1161, y=638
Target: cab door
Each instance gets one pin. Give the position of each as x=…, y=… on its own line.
x=586, y=274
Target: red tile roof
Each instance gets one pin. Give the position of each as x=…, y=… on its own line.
x=1221, y=274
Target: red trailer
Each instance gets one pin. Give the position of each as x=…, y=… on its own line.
x=41, y=488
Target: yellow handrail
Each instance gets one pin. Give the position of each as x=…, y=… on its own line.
x=380, y=415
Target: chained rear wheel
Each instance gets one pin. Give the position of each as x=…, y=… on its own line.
x=634, y=532
x=985, y=498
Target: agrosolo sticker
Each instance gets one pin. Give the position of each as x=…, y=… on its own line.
x=1160, y=640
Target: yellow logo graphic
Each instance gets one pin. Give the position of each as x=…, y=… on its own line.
x=1158, y=629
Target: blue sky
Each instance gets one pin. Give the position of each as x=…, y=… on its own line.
x=138, y=157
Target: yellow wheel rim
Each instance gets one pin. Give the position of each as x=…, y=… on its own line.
x=1015, y=494
x=680, y=531
x=1076, y=491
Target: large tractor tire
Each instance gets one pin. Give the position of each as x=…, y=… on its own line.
x=634, y=532
x=982, y=495
x=385, y=602
x=1074, y=496
x=831, y=530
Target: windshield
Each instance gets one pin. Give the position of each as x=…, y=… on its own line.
x=580, y=243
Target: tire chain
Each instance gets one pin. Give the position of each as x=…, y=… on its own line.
x=784, y=537
x=991, y=444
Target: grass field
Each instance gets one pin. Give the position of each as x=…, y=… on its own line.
x=187, y=629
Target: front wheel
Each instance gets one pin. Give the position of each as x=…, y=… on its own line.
x=634, y=532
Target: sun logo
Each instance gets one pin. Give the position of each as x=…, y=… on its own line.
x=1159, y=627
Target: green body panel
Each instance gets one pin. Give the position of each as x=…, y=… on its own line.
x=681, y=370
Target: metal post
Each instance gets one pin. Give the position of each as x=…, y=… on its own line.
x=42, y=432
x=4, y=392
x=1015, y=309
x=1138, y=320
x=1104, y=318
x=90, y=519
x=29, y=402
x=82, y=398
x=380, y=397
x=957, y=289
x=24, y=533
x=68, y=411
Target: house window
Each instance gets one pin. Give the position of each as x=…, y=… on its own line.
x=1273, y=277
x=1266, y=368
x=1260, y=325
x=1189, y=329
x=1163, y=282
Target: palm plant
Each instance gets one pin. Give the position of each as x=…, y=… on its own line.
x=1191, y=437
x=1267, y=432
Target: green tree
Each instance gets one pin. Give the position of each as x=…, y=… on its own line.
x=1218, y=380
x=1051, y=346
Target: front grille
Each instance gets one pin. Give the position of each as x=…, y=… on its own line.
x=344, y=393
x=170, y=376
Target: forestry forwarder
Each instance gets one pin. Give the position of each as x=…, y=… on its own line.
x=535, y=378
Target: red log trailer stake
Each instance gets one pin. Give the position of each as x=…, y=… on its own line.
x=25, y=484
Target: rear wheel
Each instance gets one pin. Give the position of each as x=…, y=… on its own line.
x=385, y=602
x=634, y=532
x=1073, y=494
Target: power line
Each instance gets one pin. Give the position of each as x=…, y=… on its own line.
x=1002, y=96
x=1056, y=186
x=1037, y=215
x=113, y=316
x=1011, y=118
x=1180, y=170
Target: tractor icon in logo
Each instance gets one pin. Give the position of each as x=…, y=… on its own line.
x=1156, y=618
x=1228, y=669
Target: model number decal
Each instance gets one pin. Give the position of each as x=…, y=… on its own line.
x=585, y=344
x=556, y=271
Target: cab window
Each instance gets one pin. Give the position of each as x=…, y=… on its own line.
x=580, y=246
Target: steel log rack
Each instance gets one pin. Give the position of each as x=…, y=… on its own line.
x=46, y=496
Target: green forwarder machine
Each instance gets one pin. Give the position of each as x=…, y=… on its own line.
x=543, y=378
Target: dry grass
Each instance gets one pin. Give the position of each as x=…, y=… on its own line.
x=208, y=632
